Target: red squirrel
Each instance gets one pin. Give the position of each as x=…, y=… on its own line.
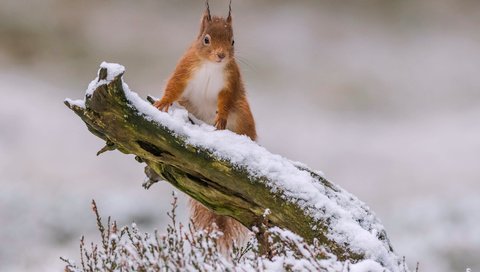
x=208, y=83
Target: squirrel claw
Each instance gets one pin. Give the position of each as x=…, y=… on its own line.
x=220, y=124
x=162, y=106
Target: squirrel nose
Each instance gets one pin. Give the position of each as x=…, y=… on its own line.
x=221, y=55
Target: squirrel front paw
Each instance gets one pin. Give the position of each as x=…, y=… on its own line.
x=220, y=123
x=162, y=105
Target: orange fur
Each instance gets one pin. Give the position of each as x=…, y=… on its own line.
x=232, y=108
x=232, y=230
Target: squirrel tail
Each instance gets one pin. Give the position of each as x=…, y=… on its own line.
x=233, y=231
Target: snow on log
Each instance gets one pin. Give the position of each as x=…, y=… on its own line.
x=231, y=174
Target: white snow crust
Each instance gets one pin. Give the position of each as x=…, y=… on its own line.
x=351, y=221
x=78, y=102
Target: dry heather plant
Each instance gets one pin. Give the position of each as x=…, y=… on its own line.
x=180, y=249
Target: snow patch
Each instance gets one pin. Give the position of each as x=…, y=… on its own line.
x=113, y=70
x=78, y=102
x=366, y=266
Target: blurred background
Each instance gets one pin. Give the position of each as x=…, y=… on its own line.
x=382, y=96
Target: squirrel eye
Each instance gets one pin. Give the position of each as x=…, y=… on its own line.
x=233, y=42
x=206, y=40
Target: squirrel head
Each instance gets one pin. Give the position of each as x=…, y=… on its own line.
x=215, y=40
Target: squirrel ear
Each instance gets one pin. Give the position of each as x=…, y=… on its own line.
x=229, y=18
x=206, y=18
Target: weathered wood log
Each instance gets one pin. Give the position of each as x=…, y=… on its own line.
x=343, y=224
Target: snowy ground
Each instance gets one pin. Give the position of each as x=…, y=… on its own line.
x=384, y=101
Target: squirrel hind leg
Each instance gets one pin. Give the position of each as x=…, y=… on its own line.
x=233, y=231
x=241, y=122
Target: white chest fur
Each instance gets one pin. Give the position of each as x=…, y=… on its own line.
x=203, y=88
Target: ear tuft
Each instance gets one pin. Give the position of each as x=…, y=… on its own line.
x=207, y=11
x=229, y=17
